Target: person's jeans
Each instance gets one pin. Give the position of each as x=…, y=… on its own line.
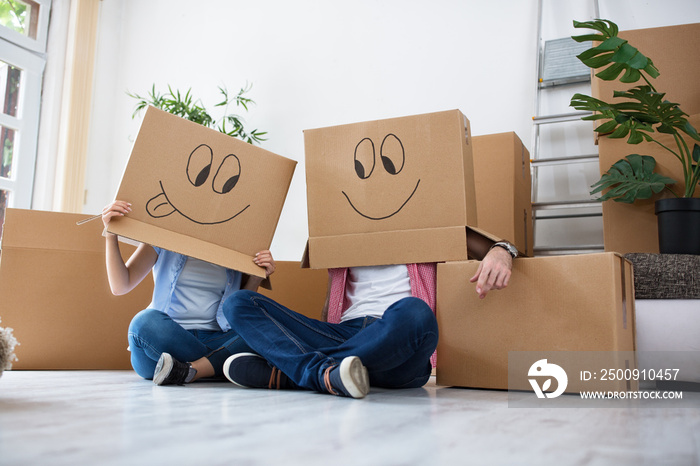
x=395, y=349
x=152, y=332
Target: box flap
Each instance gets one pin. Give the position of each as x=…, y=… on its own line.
x=183, y=244
x=397, y=247
x=31, y=228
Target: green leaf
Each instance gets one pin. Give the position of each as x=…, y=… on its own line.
x=630, y=179
x=613, y=51
x=187, y=106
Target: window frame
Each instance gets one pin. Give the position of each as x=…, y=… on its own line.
x=37, y=44
x=28, y=55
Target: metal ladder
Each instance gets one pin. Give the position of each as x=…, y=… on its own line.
x=558, y=66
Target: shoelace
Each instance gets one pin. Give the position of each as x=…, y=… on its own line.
x=327, y=380
x=275, y=378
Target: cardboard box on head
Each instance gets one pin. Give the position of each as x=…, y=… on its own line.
x=201, y=193
x=390, y=191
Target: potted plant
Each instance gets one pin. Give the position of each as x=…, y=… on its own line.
x=642, y=114
x=185, y=106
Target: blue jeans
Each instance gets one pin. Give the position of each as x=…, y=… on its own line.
x=395, y=349
x=152, y=332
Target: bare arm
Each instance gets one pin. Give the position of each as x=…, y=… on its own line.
x=124, y=277
x=262, y=259
x=493, y=272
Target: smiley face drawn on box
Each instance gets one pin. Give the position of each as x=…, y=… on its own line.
x=194, y=189
x=393, y=159
x=204, y=180
x=398, y=174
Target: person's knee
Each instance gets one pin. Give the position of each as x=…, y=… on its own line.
x=145, y=322
x=236, y=304
x=418, y=311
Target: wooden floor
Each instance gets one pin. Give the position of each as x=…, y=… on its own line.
x=116, y=418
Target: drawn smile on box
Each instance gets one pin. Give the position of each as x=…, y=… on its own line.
x=198, y=170
x=393, y=159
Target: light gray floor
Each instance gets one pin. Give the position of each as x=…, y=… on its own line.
x=116, y=418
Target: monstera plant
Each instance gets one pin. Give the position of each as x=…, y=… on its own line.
x=641, y=113
x=186, y=106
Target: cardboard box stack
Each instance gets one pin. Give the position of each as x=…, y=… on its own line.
x=632, y=228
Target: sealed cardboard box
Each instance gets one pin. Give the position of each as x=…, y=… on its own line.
x=630, y=228
x=55, y=295
x=566, y=304
x=300, y=289
x=673, y=49
x=503, y=188
x=198, y=192
x=390, y=191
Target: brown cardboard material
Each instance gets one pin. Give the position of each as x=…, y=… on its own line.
x=300, y=289
x=503, y=188
x=54, y=293
x=633, y=227
x=390, y=191
x=198, y=192
x=576, y=303
x=673, y=49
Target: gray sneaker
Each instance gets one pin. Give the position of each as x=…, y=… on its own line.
x=350, y=378
x=170, y=371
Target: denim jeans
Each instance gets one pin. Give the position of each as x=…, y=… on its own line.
x=395, y=349
x=153, y=332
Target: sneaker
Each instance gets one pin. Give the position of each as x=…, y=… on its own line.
x=350, y=378
x=249, y=370
x=170, y=371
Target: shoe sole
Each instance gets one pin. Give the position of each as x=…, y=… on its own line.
x=228, y=362
x=163, y=368
x=354, y=376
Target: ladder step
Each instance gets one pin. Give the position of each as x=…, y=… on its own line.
x=565, y=204
x=559, y=217
x=564, y=160
x=564, y=250
x=559, y=118
x=564, y=81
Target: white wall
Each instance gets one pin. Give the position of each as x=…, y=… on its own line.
x=317, y=63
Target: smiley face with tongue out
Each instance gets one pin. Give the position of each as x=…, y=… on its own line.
x=205, y=176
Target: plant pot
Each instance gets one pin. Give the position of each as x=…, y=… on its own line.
x=679, y=225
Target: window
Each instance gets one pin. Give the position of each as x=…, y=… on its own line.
x=23, y=31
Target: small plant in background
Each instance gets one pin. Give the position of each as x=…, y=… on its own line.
x=186, y=106
x=640, y=115
x=7, y=347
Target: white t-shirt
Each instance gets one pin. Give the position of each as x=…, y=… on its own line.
x=371, y=290
x=197, y=295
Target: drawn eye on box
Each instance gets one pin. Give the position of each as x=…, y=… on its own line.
x=392, y=155
x=204, y=178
